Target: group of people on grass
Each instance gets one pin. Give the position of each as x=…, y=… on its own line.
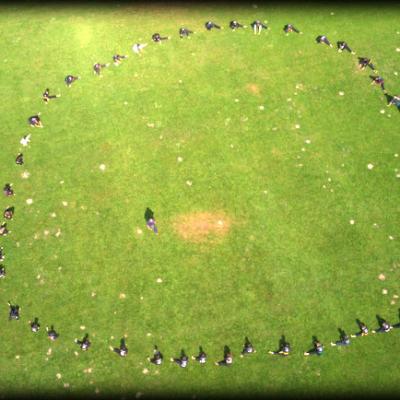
x=183, y=359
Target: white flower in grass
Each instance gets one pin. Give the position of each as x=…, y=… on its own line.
x=297, y=126
x=65, y=203
x=102, y=167
x=370, y=166
x=29, y=201
x=139, y=231
x=391, y=237
x=122, y=295
x=398, y=49
x=236, y=100
x=341, y=93
x=25, y=175
x=189, y=183
x=381, y=277
x=82, y=327
x=384, y=291
x=145, y=371
x=159, y=280
x=382, y=111
x=58, y=376
x=352, y=222
x=261, y=108
x=179, y=159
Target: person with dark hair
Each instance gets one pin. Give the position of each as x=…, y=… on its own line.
x=202, y=357
x=184, y=32
x=182, y=361
x=97, y=67
x=8, y=212
x=84, y=343
x=8, y=190
x=344, y=46
x=47, y=97
x=363, y=329
x=257, y=26
x=364, y=62
x=14, y=311
x=35, y=326
x=209, y=25
x=318, y=348
x=35, y=121
x=284, y=348
x=3, y=229
x=384, y=326
x=343, y=341
x=323, y=39
x=118, y=59
x=2, y=271
x=395, y=100
x=378, y=80
x=247, y=348
x=2, y=255
x=20, y=159
x=235, y=25
x=228, y=359
x=122, y=351
x=157, y=38
x=69, y=79
x=290, y=28
x=157, y=357
x=51, y=333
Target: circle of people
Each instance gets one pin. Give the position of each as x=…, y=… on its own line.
x=157, y=357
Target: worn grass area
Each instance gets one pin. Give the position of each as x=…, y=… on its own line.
x=257, y=127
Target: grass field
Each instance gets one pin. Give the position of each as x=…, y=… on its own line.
x=285, y=179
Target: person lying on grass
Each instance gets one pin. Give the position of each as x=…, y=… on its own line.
x=118, y=59
x=363, y=330
x=138, y=47
x=364, y=62
x=14, y=311
x=19, y=160
x=98, y=67
x=8, y=212
x=70, y=79
x=35, y=121
x=184, y=32
x=323, y=39
x=344, y=46
x=343, y=341
x=384, y=327
x=395, y=100
x=202, y=357
x=47, y=97
x=247, y=348
x=3, y=229
x=8, y=190
x=284, y=348
x=209, y=25
x=257, y=26
x=122, y=350
x=84, y=343
x=228, y=359
x=51, y=333
x=35, y=326
x=235, y=25
x=182, y=361
x=2, y=255
x=2, y=272
x=290, y=28
x=157, y=38
x=317, y=350
x=25, y=140
x=157, y=357
x=378, y=80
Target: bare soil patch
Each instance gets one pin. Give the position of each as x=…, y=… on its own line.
x=202, y=226
x=253, y=88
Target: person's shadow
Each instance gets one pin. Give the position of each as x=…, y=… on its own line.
x=380, y=320
x=282, y=342
x=227, y=350
x=148, y=214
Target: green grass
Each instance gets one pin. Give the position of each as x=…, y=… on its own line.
x=291, y=264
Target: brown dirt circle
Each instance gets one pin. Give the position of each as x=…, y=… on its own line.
x=202, y=226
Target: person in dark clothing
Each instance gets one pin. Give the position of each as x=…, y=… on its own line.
x=35, y=326
x=51, y=333
x=3, y=229
x=182, y=361
x=2, y=272
x=70, y=79
x=122, y=351
x=209, y=25
x=247, y=348
x=395, y=100
x=118, y=59
x=47, y=97
x=2, y=255
x=8, y=212
x=384, y=326
x=20, y=159
x=157, y=357
x=8, y=190
x=323, y=39
x=364, y=62
x=378, y=80
x=318, y=348
x=235, y=25
x=184, y=32
x=344, y=46
x=343, y=341
x=97, y=68
x=157, y=38
x=35, y=121
x=363, y=329
x=290, y=28
x=202, y=357
x=257, y=26
x=228, y=358
x=284, y=348
x=84, y=343
x=14, y=311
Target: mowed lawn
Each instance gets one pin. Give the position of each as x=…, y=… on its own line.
x=264, y=139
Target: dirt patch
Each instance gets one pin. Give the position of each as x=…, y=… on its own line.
x=202, y=226
x=253, y=88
